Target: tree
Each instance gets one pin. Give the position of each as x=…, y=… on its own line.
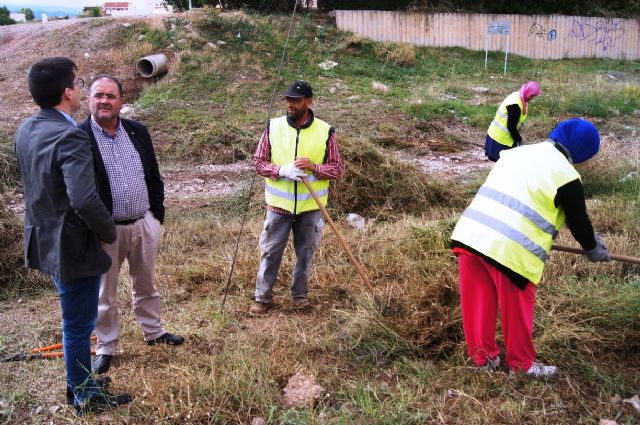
x=5, y=19
x=28, y=13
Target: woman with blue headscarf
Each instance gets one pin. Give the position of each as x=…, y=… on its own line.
x=504, y=237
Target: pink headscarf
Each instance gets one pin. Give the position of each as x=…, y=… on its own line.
x=527, y=91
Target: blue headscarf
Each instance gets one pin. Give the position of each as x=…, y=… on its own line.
x=579, y=137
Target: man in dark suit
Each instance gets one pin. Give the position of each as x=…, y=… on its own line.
x=130, y=185
x=65, y=222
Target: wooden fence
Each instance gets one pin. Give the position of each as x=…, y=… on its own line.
x=537, y=36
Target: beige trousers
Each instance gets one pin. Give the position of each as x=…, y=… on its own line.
x=138, y=244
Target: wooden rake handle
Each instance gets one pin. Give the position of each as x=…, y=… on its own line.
x=343, y=242
x=624, y=258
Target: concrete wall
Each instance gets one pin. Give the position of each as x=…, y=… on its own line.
x=537, y=36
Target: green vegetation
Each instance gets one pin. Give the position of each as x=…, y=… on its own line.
x=5, y=18
x=28, y=13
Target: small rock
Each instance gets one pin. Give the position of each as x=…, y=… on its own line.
x=4, y=404
x=326, y=65
x=141, y=37
x=353, y=98
x=212, y=45
x=221, y=43
x=302, y=391
x=379, y=87
x=127, y=110
x=87, y=55
x=480, y=89
x=39, y=410
x=332, y=90
x=634, y=401
x=451, y=392
x=632, y=175
x=54, y=409
x=126, y=25
x=258, y=421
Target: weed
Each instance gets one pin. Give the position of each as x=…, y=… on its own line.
x=403, y=54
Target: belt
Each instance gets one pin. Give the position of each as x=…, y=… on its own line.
x=126, y=222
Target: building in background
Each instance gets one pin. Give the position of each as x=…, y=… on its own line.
x=139, y=8
x=18, y=17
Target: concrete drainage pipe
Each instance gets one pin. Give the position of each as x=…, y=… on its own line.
x=152, y=65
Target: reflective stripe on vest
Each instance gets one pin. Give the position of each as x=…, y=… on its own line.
x=287, y=144
x=513, y=219
x=498, y=129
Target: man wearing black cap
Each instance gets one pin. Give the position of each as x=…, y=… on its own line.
x=293, y=146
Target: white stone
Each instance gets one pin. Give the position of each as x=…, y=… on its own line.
x=379, y=87
x=326, y=65
x=480, y=89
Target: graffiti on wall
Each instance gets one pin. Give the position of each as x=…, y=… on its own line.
x=603, y=33
x=540, y=31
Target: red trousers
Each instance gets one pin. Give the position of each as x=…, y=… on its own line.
x=482, y=289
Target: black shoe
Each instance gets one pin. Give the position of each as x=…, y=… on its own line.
x=167, y=338
x=102, y=381
x=101, y=363
x=102, y=401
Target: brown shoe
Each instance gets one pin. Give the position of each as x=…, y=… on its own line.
x=301, y=303
x=260, y=309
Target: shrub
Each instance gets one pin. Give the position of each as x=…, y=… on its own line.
x=397, y=53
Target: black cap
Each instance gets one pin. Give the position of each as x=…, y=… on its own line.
x=299, y=89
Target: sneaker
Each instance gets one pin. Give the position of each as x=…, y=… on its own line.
x=301, y=303
x=492, y=365
x=539, y=370
x=102, y=401
x=260, y=309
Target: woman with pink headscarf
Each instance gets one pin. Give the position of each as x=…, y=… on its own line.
x=503, y=131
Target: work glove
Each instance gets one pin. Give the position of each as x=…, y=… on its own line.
x=292, y=172
x=600, y=252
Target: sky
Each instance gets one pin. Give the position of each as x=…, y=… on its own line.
x=64, y=4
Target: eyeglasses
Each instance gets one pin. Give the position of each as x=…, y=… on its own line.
x=107, y=96
x=79, y=82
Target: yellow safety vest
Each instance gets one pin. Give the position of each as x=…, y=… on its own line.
x=498, y=129
x=513, y=219
x=287, y=144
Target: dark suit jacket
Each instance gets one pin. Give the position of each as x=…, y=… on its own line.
x=142, y=142
x=64, y=218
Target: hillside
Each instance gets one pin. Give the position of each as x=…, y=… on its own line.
x=413, y=160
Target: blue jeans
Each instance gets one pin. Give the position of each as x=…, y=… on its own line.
x=307, y=232
x=79, y=302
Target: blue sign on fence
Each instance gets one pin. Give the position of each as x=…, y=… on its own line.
x=498, y=27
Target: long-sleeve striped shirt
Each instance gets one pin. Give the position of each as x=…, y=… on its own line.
x=330, y=169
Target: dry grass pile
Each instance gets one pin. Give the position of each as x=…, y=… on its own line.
x=9, y=171
x=11, y=258
x=376, y=185
x=14, y=278
x=403, y=54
